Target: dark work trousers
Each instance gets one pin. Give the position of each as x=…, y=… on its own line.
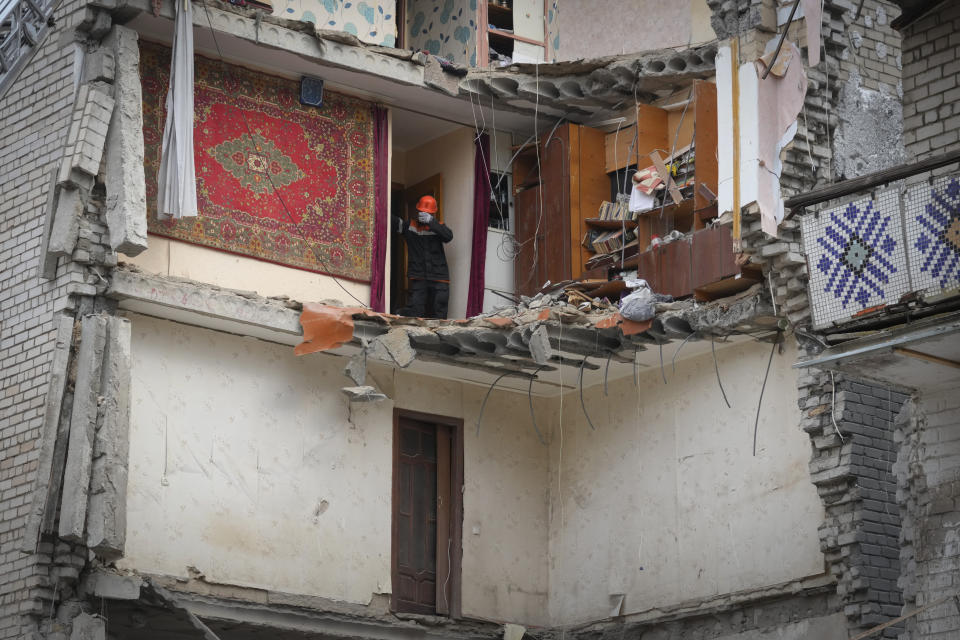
x=424, y=296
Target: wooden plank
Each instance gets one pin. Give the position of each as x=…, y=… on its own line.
x=662, y=170
x=597, y=223
x=920, y=355
x=650, y=128
x=483, y=45
x=725, y=287
x=890, y=623
x=705, y=142
x=576, y=167
x=497, y=33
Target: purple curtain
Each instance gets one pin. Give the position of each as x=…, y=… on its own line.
x=481, y=218
x=380, y=213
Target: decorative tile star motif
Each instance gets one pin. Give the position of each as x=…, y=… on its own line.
x=857, y=254
x=935, y=234
x=856, y=257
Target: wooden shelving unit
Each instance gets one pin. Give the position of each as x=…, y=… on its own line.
x=497, y=30
x=657, y=130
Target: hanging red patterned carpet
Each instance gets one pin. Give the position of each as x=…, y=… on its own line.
x=316, y=161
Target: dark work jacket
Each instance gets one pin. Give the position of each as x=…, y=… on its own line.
x=425, y=257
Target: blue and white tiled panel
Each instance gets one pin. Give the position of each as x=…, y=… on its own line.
x=856, y=256
x=932, y=220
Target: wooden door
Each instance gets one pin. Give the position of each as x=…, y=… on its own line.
x=427, y=511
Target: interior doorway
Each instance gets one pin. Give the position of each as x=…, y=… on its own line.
x=427, y=513
x=405, y=207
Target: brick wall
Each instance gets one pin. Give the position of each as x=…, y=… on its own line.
x=34, y=114
x=931, y=66
x=854, y=477
x=928, y=474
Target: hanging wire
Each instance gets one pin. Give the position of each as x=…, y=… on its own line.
x=583, y=405
x=487, y=397
x=273, y=186
x=716, y=368
x=662, y=372
x=756, y=422
x=673, y=361
x=606, y=373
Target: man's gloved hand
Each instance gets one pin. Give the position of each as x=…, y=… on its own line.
x=425, y=217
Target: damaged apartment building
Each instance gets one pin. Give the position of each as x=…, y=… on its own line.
x=700, y=373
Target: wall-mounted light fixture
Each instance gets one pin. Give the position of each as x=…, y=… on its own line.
x=311, y=91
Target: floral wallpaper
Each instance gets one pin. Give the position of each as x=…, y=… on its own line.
x=553, y=29
x=372, y=21
x=445, y=28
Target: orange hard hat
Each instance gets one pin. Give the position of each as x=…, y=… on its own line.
x=428, y=204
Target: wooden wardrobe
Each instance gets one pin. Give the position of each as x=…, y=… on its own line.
x=552, y=204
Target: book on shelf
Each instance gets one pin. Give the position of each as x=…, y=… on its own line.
x=615, y=211
x=606, y=241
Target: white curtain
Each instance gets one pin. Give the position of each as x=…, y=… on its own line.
x=176, y=179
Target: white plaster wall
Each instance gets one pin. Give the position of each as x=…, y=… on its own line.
x=452, y=156
x=630, y=26
x=174, y=258
x=246, y=463
x=665, y=503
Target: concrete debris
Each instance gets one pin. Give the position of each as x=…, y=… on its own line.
x=126, y=212
x=101, y=584
x=396, y=344
x=356, y=369
x=83, y=425
x=536, y=332
x=88, y=627
x=363, y=394
x=106, y=516
x=65, y=228
x=48, y=470
x=539, y=343
x=589, y=86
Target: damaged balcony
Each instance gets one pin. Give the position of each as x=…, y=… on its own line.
x=635, y=199
x=883, y=254
x=551, y=344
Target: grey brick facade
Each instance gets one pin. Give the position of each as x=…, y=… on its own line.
x=931, y=82
x=35, y=115
x=928, y=479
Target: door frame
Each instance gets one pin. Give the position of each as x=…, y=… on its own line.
x=454, y=427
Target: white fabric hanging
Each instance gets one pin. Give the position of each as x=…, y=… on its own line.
x=639, y=201
x=176, y=178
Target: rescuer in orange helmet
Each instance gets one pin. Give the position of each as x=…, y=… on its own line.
x=426, y=262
